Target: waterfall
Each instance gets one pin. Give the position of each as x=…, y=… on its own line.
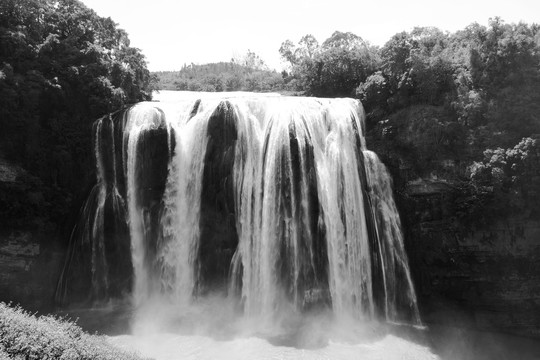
x=398, y=285
x=101, y=231
x=273, y=200
x=180, y=220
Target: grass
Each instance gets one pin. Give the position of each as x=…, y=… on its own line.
x=26, y=336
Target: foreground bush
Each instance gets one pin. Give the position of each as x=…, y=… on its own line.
x=27, y=336
x=3, y=354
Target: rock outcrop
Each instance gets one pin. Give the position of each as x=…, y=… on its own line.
x=31, y=254
x=28, y=270
x=486, y=277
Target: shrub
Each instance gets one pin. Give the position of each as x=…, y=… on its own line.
x=23, y=335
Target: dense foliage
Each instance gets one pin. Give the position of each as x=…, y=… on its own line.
x=487, y=79
x=334, y=68
x=511, y=176
x=26, y=336
x=61, y=67
x=462, y=106
x=248, y=73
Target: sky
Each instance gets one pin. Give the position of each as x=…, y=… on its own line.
x=172, y=33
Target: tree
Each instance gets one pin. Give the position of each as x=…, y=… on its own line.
x=334, y=69
x=511, y=174
x=61, y=67
x=346, y=41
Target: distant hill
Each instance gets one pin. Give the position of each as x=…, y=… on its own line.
x=221, y=76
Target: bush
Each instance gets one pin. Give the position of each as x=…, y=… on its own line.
x=512, y=173
x=23, y=335
x=3, y=354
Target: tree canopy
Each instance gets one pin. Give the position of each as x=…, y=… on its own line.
x=335, y=68
x=61, y=67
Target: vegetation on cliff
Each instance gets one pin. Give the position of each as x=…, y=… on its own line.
x=462, y=106
x=26, y=336
x=61, y=67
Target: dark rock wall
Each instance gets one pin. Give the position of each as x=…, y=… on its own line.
x=29, y=269
x=218, y=237
x=32, y=245
x=485, y=277
x=151, y=176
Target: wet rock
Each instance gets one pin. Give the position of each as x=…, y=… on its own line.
x=218, y=239
x=486, y=278
x=28, y=271
x=316, y=298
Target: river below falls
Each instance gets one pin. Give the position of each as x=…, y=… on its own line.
x=208, y=333
x=443, y=344
x=171, y=346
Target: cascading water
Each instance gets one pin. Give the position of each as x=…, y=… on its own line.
x=180, y=220
x=398, y=286
x=274, y=200
x=101, y=231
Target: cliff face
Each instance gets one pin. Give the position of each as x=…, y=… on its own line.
x=29, y=270
x=481, y=276
x=31, y=250
x=471, y=217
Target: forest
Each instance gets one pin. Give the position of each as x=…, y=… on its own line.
x=461, y=105
x=245, y=73
x=61, y=67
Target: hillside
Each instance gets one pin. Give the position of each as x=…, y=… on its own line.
x=222, y=76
